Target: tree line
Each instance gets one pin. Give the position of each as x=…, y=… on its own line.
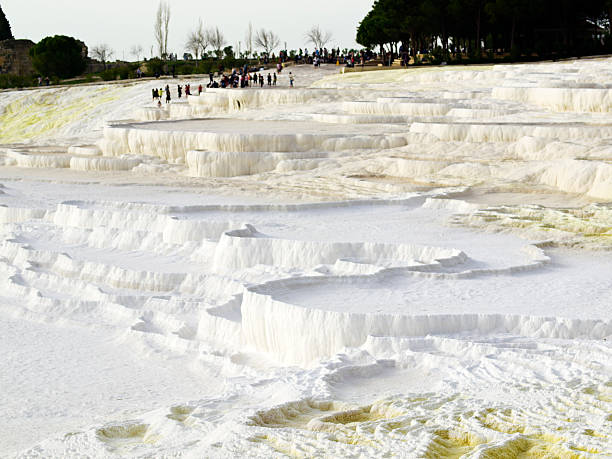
x=520, y=27
x=61, y=57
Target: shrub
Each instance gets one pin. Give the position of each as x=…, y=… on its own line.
x=124, y=72
x=155, y=66
x=206, y=67
x=14, y=81
x=109, y=75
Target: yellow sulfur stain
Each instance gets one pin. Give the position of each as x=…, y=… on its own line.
x=500, y=421
x=180, y=413
x=35, y=115
x=593, y=433
x=489, y=433
x=529, y=447
x=585, y=449
x=587, y=226
x=544, y=450
x=355, y=440
x=121, y=437
x=279, y=446
x=352, y=416
x=135, y=431
x=296, y=414
x=450, y=444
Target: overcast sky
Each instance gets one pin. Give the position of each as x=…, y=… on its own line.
x=125, y=23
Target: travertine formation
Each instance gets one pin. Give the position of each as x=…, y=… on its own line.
x=407, y=263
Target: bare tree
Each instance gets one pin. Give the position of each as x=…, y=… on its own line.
x=215, y=39
x=192, y=45
x=197, y=41
x=137, y=51
x=248, y=40
x=162, y=25
x=102, y=53
x=267, y=40
x=318, y=37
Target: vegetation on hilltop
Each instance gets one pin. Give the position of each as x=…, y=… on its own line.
x=545, y=28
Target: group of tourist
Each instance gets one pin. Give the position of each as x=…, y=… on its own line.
x=240, y=80
x=335, y=56
x=243, y=78
x=187, y=90
x=246, y=79
x=237, y=79
x=158, y=95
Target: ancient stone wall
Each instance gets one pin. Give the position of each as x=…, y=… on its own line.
x=15, y=58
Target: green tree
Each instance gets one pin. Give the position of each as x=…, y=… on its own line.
x=519, y=27
x=382, y=25
x=58, y=56
x=228, y=52
x=503, y=11
x=607, y=14
x=229, y=57
x=435, y=17
x=5, y=27
x=371, y=31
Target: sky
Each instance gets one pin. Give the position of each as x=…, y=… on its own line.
x=123, y=24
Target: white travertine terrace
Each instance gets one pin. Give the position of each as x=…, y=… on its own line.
x=406, y=263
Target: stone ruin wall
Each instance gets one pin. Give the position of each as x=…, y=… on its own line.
x=15, y=58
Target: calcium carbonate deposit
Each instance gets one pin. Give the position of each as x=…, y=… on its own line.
x=411, y=263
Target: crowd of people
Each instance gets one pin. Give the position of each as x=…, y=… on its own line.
x=247, y=78
x=260, y=78
x=158, y=94
x=335, y=56
x=242, y=78
x=239, y=79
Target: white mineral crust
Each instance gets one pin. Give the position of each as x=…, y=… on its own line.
x=410, y=263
